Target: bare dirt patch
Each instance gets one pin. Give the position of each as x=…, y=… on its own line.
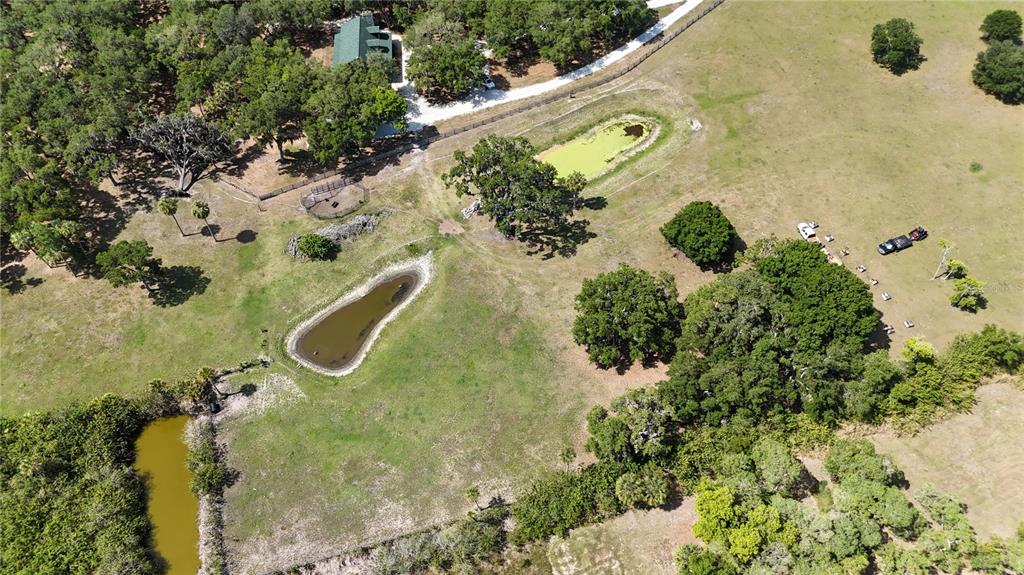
x=450, y=227
x=273, y=391
x=508, y=75
x=260, y=168
x=607, y=384
x=323, y=54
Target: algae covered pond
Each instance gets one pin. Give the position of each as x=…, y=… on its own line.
x=334, y=342
x=160, y=454
x=593, y=152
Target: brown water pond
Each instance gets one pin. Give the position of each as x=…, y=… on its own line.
x=173, y=509
x=335, y=341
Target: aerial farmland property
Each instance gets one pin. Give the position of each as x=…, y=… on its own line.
x=561, y=288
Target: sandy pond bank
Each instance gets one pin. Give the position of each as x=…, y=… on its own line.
x=421, y=268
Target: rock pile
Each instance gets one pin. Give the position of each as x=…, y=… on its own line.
x=468, y=211
x=343, y=233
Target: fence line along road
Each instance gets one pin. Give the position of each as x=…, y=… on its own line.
x=644, y=54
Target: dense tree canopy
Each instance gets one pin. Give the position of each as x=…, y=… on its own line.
x=895, y=46
x=70, y=501
x=519, y=193
x=627, y=315
x=32, y=189
x=446, y=70
x=872, y=521
x=1001, y=25
x=76, y=78
x=273, y=89
x=702, y=232
x=782, y=337
x=999, y=71
x=637, y=429
x=826, y=303
x=345, y=108
x=645, y=488
x=82, y=78
x=564, y=33
x=127, y=262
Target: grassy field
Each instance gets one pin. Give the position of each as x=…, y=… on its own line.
x=977, y=457
x=478, y=381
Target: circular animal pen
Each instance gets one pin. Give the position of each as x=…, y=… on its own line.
x=335, y=198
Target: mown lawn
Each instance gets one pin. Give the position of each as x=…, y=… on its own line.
x=71, y=339
x=460, y=390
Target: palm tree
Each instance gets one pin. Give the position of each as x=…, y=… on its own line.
x=201, y=210
x=168, y=206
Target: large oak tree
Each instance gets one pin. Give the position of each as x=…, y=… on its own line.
x=518, y=192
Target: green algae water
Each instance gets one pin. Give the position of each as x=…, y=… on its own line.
x=591, y=153
x=173, y=510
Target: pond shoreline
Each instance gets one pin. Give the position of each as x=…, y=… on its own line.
x=421, y=268
x=210, y=520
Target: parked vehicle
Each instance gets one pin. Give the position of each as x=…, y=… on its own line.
x=489, y=83
x=806, y=230
x=917, y=234
x=894, y=245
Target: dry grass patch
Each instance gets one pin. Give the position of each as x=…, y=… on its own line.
x=977, y=457
x=635, y=542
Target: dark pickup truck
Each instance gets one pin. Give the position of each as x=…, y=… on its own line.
x=894, y=245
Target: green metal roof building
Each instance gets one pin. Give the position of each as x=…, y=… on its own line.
x=358, y=37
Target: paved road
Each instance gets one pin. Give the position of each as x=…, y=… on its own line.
x=423, y=113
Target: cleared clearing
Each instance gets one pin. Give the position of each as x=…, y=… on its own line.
x=977, y=457
x=636, y=542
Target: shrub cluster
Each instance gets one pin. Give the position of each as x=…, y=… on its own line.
x=872, y=522
x=316, y=247
x=457, y=548
x=70, y=501
x=931, y=383
x=210, y=476
x=702, y=232
x=564, y=500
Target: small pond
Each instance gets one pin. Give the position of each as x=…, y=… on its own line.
x=594, y=152
x=173, y=509
x=334, y=343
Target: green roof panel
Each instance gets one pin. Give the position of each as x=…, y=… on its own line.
x=357, y=37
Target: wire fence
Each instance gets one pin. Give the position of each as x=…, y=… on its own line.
x=426, y=139
x=329, y=191
x=324, y=191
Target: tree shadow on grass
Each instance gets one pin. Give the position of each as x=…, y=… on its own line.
x=177, y=284
x=210, y=231
x=245, y=236
x=12, y=279
x=595, y=203
x=562, y=240
x=879, y=338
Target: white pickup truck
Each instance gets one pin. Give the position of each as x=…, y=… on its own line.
x=806, y=230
